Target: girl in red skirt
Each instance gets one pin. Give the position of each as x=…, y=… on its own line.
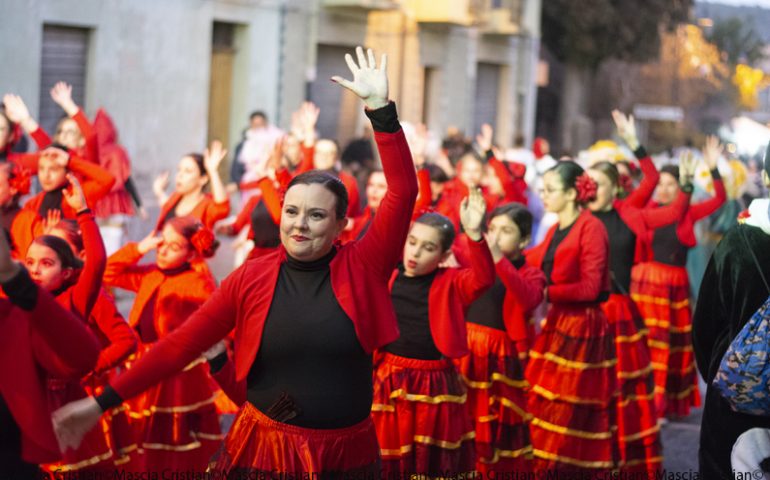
x=499, y=335
x=117, y=339
x=661, y=288
x=626, y=220
x=419, y=407
x=54, y=266
x=571, y=368
x=307, y=319
x=178, y=426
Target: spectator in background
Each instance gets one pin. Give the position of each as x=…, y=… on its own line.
x=254, y=149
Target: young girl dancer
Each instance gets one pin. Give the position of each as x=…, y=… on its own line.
x=419, y=406
x=500, y=333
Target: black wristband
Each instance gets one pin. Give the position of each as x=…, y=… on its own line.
x=21, y=290
x=688, y=188
x=384, y=119
x=108, y=399
x=217, y=363
x=489, y=155
x=715, y=174
x=85, y=211
x=640, y=152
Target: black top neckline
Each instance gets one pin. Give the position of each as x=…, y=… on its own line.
x=313, y=265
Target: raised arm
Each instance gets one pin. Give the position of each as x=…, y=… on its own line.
x=122, y=338
x=97, y=182
x=627, y=131
x=473, y=281
x=212, y=158
x=122, y=270
x=18, y=113
x=656, y=217
x=89, y=283
x=381, y=246
x=594, y=252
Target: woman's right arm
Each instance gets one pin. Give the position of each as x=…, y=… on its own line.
x=122, y=270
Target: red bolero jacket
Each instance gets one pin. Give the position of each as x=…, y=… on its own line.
x=523, y=293
x=581, y=266
x=207, y=210
x=359, y=276
x=451, y=293
x=48, y=340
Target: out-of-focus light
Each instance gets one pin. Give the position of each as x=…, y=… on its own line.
x=705, y=22
x=731, y=148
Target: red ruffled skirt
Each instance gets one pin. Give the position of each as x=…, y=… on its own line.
x=421, y=417
x=176, y=421
x=638, y=429
x=662, y=293
x=257, y=445
x=94, y=455
x=573, y=392
x=497, y=401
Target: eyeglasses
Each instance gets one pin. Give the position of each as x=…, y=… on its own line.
x=175, y=247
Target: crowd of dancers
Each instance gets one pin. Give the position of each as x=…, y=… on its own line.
x=401, y=338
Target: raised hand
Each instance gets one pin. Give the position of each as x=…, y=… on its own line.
x=213, y=156
x=712, y=150
x=160, y=184
x=369, y=82
x=472, y=210
x=626, y=128
x=72, y=421
x=74, y=195
x=687, y=166
x=18, y=112
x=494, y=248
x=52, y=219
x=484, y=139
x=150, y=242
x=61, y=93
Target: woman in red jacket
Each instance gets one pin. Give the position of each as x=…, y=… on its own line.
x=117, y=339
x=307, y=319
x=194, y=172
x=499, y=335
x=572, y=364
x=52, y=167
x=40, y=338
x=177, y=423
x=660, y=287
x=419, y=408
x=76, y=284
x=14, y=183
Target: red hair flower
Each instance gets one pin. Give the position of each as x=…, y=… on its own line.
x=20, y=179
x=203, y=241
x=586, y=188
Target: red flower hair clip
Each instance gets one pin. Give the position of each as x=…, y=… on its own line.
x=586, y=188
x=203, y=241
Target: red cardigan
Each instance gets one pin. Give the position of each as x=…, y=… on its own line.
x=96, y=183
x=207, y=210
x=523, y=293
x=451, y=293
x=48, y=340
x=117, y=338
x=272, y=198
x=581, y=265
x=89, y=151
x=359, y=277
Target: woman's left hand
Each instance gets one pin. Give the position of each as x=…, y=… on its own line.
x=369, y=82
x=213, y=156
x=712, y=150
x=472, y=210
x=74, y=195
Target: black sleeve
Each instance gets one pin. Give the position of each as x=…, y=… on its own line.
x=709, y=320
x=108, y=399
x=640, y=152
x=384, y=119
x=715, y=174
x=131, y=189
x=21, y=290
x=237, y=169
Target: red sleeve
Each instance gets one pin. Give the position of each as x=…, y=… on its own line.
x=425, y=196
x=96, y=181
x=707, y=207
x=89, y=284
x=272, y=199
x=308, y=153
x=41, y=138
x=244, y=217
x=209, y=324
x=26, y=160
x=215, y=212
x=354, y=199
x=594, y=252
x=525, y=285
x=472, y=282
x=87, y=131
x=639, y=197
x=234, y=389
x=122, y=270
x=121, y=336
x=284, y=178
x=68, y=337
x=506, y=179
x=382, y=245
x=656, y=217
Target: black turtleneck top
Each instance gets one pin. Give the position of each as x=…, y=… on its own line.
x=264, y=230
x=622, y=249
x=410, y=301
x=667, y=248
x=313, y=352
x=488, y=309
x=550, y=255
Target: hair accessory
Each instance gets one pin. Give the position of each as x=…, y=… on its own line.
x=586, y=188
x=20, y=179
x=203, y=240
